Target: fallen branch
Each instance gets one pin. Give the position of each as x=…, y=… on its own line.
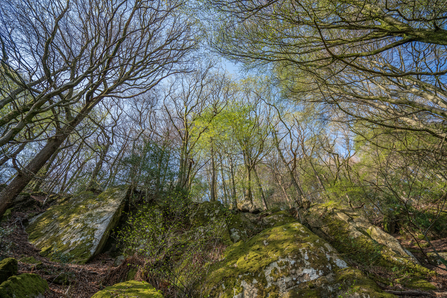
x=410, y=293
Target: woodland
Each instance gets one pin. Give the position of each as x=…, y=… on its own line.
x=255, y=107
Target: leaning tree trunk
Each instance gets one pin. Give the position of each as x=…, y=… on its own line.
x=27, y=174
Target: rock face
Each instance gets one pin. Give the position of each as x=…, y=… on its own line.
x=127, y=289
x=23, y=286
x=286, y=261
x=77, y=229
x=8, y=268
x=349, y=232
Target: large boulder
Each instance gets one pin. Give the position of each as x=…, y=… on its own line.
x=285, y=261
x=77, y=229
x=8, y=268
x=350, y=233
x=131, y=288
x=24, y=286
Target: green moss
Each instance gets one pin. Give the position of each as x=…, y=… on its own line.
x=131, y=274
x=8, y=268
x=127, y=289
x=6, y=215
x=419, y=284
x=354, y=281
x=23, y=285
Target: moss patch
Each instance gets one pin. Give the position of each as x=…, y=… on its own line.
x=130, y=288
x=8, y=268
x=23, y=285
x=77, y=229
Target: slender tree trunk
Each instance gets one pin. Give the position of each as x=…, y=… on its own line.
x=233, y=183
x=73, y=177
x=213, y=174
x=278, y=180
x=290, y=172
x=248, y=192
x=224, y=186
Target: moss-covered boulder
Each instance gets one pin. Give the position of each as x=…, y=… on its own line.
x=351, y=234
x=77, y=229
x=23, y=286
x=285, y=261
x=131, y=288
x=8, y=268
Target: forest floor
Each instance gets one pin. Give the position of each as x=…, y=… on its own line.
x=87, y=279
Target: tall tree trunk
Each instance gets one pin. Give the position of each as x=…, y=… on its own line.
x=224, y=186
x=261, y=191
x=248, y=192
x=233, y=183
x=24, y=177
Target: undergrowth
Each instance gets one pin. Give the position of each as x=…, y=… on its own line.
x=166, y=250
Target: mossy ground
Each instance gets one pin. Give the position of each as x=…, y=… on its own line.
x=127, y=289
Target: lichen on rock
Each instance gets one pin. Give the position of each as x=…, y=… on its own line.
x=77, y=229
x=23, y=286
x=129, y=289
x=284, y=261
